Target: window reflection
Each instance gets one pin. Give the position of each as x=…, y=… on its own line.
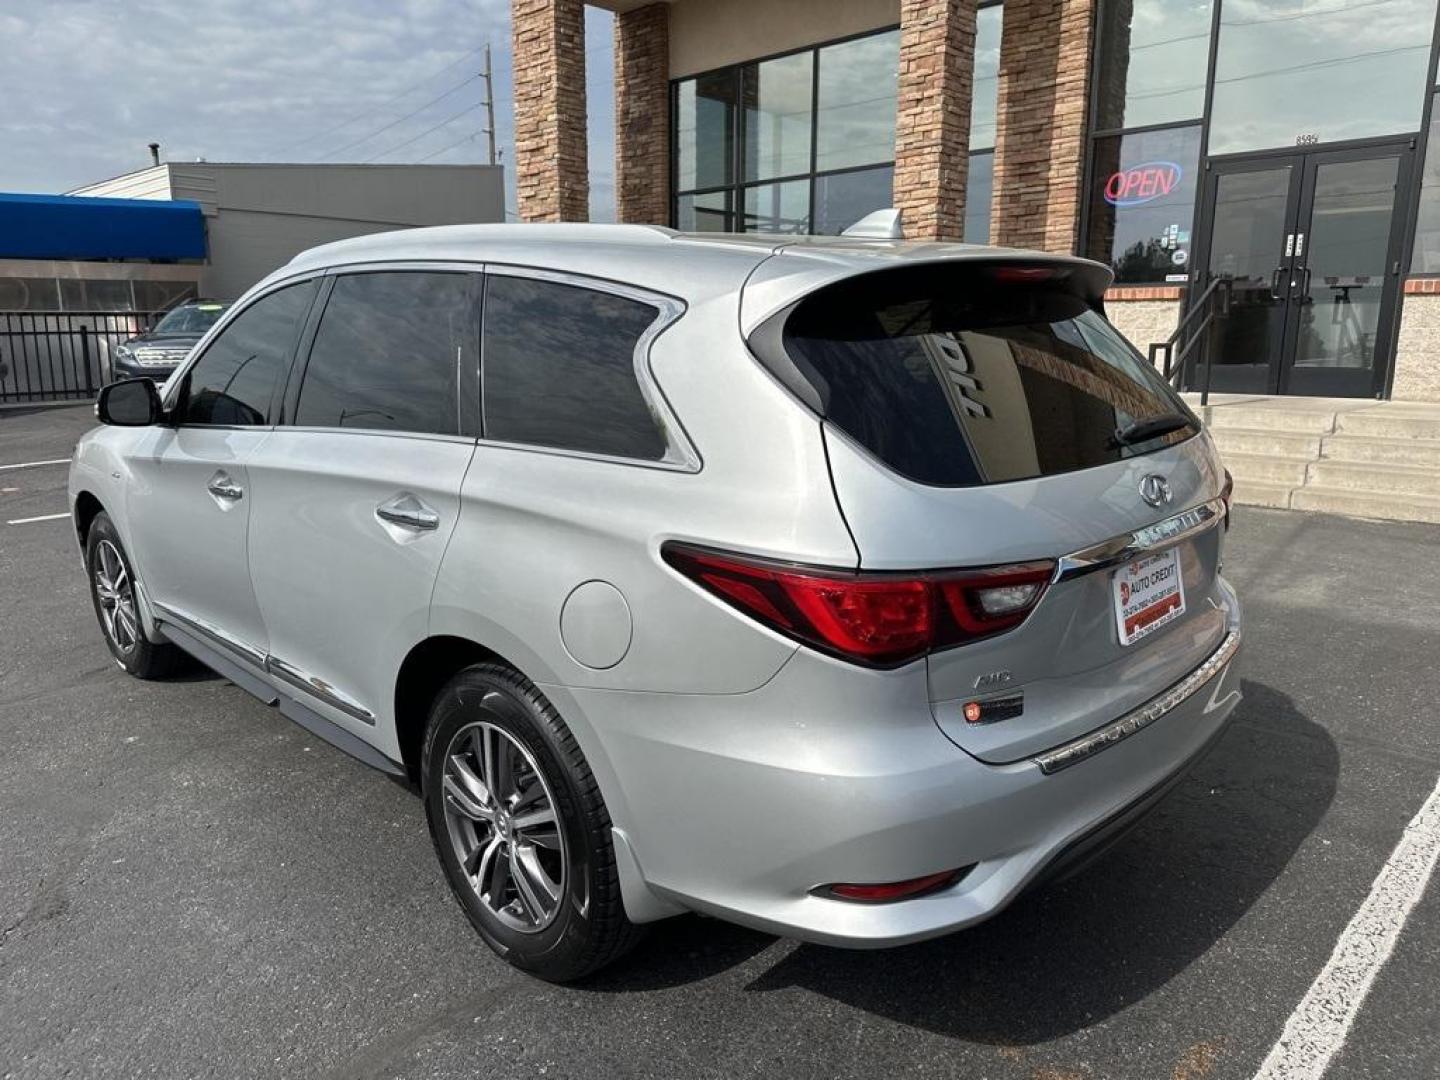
x=705, y=131
x=979, y=190
x=1426, y=258
x=855, y=124
x=1288, y=73
x=985, y=90
x=704, y=213
x=778, y=208
x=1153, y=55
x=776, y=96
x=844, y=198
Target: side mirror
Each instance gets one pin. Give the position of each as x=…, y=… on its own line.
x=129, y=403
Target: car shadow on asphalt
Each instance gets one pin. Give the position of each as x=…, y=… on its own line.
x=1089, y=946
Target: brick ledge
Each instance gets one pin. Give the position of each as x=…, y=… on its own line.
x=1146, y=292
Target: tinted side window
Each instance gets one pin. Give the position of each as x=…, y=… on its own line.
x=233, y=382
x=559, y=369
x=388, y=353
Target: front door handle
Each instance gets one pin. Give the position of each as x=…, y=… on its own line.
x=408, y=512
x=222, y=486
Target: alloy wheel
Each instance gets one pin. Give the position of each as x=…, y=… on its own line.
x=116, y=593
x=504, y=827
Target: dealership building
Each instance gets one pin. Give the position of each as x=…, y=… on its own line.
x=1279, y=146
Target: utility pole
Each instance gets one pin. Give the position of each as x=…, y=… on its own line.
x=489, y=104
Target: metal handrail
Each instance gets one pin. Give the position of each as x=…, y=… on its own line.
x=1211, y=307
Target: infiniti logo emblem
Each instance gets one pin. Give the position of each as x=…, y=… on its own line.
x=1155, y=490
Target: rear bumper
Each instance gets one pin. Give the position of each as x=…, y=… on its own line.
x=740, y=805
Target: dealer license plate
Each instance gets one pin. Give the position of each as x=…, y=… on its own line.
x=1148, y=594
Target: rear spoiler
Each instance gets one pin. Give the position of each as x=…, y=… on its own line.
x=796, y=271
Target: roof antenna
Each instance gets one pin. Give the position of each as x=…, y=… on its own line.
x=878, y=225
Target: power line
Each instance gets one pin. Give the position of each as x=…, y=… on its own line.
x=427, y=131
x=467, y=138
x=401, y=120
x=370, y=111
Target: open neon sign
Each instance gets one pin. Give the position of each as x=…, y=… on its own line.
x=1141, y=183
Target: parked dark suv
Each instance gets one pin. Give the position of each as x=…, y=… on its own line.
x=160, y=350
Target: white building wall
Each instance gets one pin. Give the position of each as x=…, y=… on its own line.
x=258, y=217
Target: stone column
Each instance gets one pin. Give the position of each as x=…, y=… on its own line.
x=552, y=180
x=1040, y=141
x=642, y=115
x=932, y=120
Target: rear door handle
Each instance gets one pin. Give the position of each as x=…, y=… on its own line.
x=408, y=512
x=222, y=486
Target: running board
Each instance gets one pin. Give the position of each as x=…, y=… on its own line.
x=252, y=684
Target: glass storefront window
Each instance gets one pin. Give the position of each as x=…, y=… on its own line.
x=1152, y=60
x=985, y=90
x=776, y=96
x=979, y=189
x=841, y=199
x=704, y=213
x=1290, y=74
x=1426, y=257
x=778, y=208
x=1142, y=203
x=705, y=131
x=855, y=121
x=754, y=143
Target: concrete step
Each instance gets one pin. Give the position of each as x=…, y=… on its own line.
x=1267, y=468
x=1261, y=493
x=1344, y=447
x=1368, y=504
x=1378, y=477
x=1279, y=443
x=1390, y=423
x=1267, y=418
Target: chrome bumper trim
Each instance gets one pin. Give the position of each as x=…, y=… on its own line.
x=1157, y=537
x=1067, y=754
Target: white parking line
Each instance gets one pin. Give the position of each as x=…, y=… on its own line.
x=33, y=464
x=32, y=520
x=1317, y=1028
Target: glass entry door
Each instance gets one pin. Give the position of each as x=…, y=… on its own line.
x=1311, y=245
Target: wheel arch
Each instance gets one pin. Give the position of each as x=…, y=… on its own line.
x=427, y=667
x=87, y=508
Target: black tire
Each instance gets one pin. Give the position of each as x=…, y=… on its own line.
x=588, y=927
x=142, y=657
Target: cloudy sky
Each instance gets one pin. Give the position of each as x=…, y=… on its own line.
x=87, y=83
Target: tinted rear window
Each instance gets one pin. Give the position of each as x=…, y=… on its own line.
x=954, y=378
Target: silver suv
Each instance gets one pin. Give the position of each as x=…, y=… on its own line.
x=841, y=588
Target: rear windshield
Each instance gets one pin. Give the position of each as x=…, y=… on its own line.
x=967, y=376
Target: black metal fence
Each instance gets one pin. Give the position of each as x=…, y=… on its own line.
x=62, y=355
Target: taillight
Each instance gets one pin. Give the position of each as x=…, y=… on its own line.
x=883, y=619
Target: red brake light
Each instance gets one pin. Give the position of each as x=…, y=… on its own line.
x=875, y=618
x=1026, y=273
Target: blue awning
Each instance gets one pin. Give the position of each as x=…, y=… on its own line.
x=79, y=227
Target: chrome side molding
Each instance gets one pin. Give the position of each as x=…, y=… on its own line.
x=318, y=688
x=1067, y=754
x=313, y=685
x=1157, y=537
x=209, y=632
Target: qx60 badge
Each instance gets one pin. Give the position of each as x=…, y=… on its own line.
x=1155, y=490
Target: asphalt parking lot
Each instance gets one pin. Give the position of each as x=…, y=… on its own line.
x=190, y=886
